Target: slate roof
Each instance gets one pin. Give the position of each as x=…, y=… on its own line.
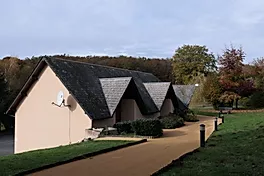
x=83, y=81
x=184, y=93
x=113, y=89
x=98, y=89
x=158, y=92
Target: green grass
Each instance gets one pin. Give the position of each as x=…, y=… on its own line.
x=237, y=149
x=14, y=164
x=205, y=113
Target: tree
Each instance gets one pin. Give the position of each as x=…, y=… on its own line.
x=232, y=78
x=258, y=73
x=212, y=89
x=3, y=93
x=192, y=61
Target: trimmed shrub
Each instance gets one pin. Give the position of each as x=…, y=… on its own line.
x=147, y=127
x=191, y=118
x=244, y=102
x=180, y=122
x=256, y=100
x=124, y=127
x=171, y=122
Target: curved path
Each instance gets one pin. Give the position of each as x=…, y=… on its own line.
x=143, y=159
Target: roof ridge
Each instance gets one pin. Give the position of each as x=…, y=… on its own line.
x=67, y=60
x=125, y=77
x=157, y=83
x=183, y=85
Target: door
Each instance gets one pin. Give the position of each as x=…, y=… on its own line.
x=118, y=113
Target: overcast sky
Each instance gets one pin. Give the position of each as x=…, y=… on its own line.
x=151, y=28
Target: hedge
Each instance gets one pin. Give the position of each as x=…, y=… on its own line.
x=171, y=122
x=255, y=101
x=141, y=127
x=147, y=127
x=124, y=127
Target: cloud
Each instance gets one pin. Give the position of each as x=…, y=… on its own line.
x=248, y=13
x=132, y=27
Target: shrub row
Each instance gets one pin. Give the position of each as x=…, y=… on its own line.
x=124, y=127
x=142, y=127
x=255, y=101
x=190, y=116
x=171, y=122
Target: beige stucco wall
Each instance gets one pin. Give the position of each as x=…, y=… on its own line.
x=127, y=113
x=155, y=115
x=131, y=111
x=128, y=109
x=167, y=107
x=39, y=124
x=139, y=115
x=104, y=122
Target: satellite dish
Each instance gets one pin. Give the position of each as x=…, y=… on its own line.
x=60, y=98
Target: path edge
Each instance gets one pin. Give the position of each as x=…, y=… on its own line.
x=179, y=160
x=85, y=156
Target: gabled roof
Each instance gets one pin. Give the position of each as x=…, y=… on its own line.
x=158, y=92
x=184, y=93
x=113, y=89
x=83, y=82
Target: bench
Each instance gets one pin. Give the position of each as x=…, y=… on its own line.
x=225, y=109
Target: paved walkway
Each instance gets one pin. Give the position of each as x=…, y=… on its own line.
x=143, y=159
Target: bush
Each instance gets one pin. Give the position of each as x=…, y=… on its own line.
x=256, y=100
x=123, y=127
x=191, y=118
x=147, y=127
x=171, y=122
x=244, y=102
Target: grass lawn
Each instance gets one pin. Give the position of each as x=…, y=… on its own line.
x=237, y=149
x=206, y=113
x=13, y=164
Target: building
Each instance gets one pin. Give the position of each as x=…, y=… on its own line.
x=93, y=96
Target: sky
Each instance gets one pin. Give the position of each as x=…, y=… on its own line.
x=150, y=28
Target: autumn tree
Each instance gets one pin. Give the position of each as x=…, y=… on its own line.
x=212, y=89
x=232, y=78
x=3, y=93
x=258, y=73
x=191, y=62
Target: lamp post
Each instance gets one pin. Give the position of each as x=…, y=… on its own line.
x=215, y=123
x=202, y=135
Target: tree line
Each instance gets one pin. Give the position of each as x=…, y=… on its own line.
x=224, y=79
